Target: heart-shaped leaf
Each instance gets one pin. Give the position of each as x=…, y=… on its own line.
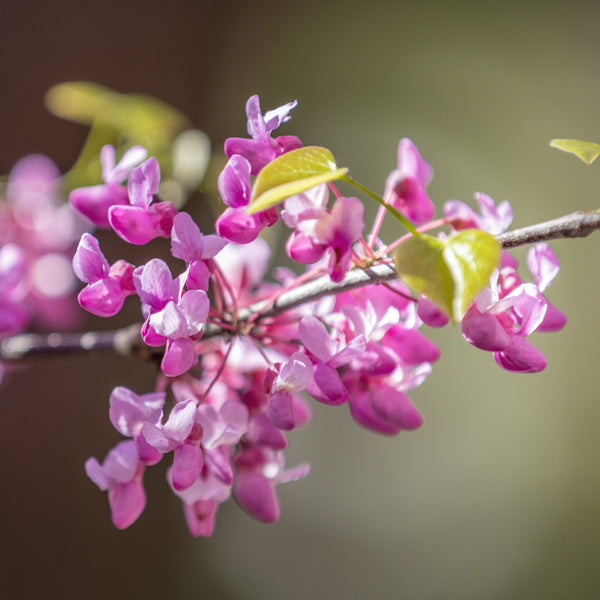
x=588, y=152
x=291, y=173
x=452, y=272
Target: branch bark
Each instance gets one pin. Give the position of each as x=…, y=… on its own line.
x=127, y=341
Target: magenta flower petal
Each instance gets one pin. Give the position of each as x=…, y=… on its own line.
x=212, y=245
x=97, y=474
x=155, y=285
x=198, y=276
x=303, y=248
x=200, y=517
x=258, y=152
x=236, y=226
x=134, y=224
x=219, y=463
x=89, y=263
x=95, y=201
x=315, y=337
x=194, y=306
x=261, y=431
x=257, y=496
x=143, y=183
x=118, y=173
x=543, y=264
x=179, y=357
x=494, y=219
x=554, y=319
x=103, y=298
x=127, y=502
x=234, y=182
x=181, y=420
x=396, y=408
x=274, y=118
x=411, y=346
x=295, y=373
x=128, y=411
x=375, y=360
x=187, y=466
x=280, y=410
x=362, y=412
x=430, y=314
x=120, y=466
x=186, y=238
x=484, y=331
x=521, y=357
x=327, y=387
x=149, y=455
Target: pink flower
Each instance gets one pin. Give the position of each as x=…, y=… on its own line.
x=173, y=316
x=129, y=412
x=289, y=377
x=493, y=219
x=141, y=220
x=190, y=245
x=234, y=186
x=107, y=286
x=262, y=148
x=319, y=230
x=121, y=475
x=258, y=471
x=405, y=185
x=95, y=201
x=326, y=385
x=503, y=316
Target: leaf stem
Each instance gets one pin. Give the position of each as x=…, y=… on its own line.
x=407, y=224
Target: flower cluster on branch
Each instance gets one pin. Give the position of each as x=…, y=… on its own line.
x=241, y=356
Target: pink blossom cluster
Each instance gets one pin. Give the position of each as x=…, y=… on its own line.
x=232, y=386
x=38, y=234
x=506, y=313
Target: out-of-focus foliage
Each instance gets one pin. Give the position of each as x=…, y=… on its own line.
x=114, y=118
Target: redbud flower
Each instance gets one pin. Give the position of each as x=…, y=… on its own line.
x=140, y=221
x=405, y=185
x=234, y=186
x=494, y=219
x=262, y=148
x=190, y=245
x=503, y=315
x=94, y=201
x=121, y=475
x=326, y=385
x=107, y=286
x=291, y=376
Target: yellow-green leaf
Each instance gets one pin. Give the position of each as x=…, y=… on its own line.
x=420, y=263
x=471, y=256
x=588, y=152
x=292, y=173
x=450, y=273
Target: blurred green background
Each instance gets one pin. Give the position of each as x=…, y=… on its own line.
x=498, y=495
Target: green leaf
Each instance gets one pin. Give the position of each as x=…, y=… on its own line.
x=452, y=272
x=114, y=118
x=291, y=173
x=588, y=152
x=86, y=103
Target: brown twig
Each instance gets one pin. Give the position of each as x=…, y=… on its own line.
x=127, y=341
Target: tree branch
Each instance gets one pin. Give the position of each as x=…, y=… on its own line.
x=127, y=341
